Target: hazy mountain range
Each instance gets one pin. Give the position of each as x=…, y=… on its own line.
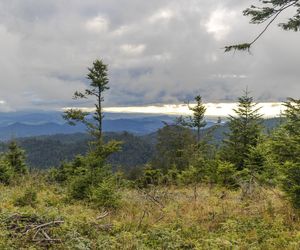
x=26, y=124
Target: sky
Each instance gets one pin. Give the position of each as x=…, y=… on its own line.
x=158, y=52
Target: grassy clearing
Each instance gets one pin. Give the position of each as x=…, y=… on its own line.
x=162, y=218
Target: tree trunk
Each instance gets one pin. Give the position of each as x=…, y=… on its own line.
x=100, y=114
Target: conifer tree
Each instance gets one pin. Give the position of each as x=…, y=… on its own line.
x=286, y=150
x=245, y=129
x=6, y=171
x=197, y=120
x=89, y=179
x=98, y=77
x=173, y=147
x=16, y=158
x=286, y=140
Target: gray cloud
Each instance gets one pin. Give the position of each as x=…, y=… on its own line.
x=158, y=51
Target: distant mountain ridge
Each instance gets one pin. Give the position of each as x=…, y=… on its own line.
x=16, y=125
x=135, y=126
x=41, y=117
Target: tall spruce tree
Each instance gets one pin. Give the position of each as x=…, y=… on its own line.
x=286, y=139
x=197, y=120
x=245, y=129
x=98, y=77
x=89, y=177
x=285, y=146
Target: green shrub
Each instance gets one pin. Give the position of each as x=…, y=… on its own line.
x=167, y=238
x=105, y=195
x=291, y=182
x=261, y=165
x=29, y=198
x=172, y=176
x=57, y=174
x=79, y=187
x=226, y=174
x=96, y=186
x=188, y=176
x=16, y=157
x=201, y=171
x=6, y=172
x=67, y=171
x=150, y=176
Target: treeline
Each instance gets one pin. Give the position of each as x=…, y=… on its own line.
x=43, y=152
x=246, y=158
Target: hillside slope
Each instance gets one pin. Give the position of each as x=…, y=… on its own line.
x=176, y=221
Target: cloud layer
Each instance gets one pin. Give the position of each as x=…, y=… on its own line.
x=158, y=52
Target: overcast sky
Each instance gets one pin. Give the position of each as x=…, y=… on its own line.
x=158, y=52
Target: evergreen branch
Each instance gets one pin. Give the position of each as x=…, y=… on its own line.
x=274, y=14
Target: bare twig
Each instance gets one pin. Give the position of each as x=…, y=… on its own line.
x=142, y=218
x=152, y=198
x=36, y=233
x=46, y=235
x=162, y=215
x=45, y=240
x=106, y=227
x=48, y=224
x=103, y=215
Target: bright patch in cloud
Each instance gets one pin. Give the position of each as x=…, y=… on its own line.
x=232, y=76
x=219, y=23
x=97, y=24
x=133, y=50
x=164, y=14
x=121, y=30
x=162, y=57
x=4, y=107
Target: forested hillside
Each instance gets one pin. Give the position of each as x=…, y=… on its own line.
x=49, y=151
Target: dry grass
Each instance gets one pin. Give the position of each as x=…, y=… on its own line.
x=160, y=218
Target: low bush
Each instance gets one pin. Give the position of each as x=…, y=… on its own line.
x=105, y=195
x=29, y=198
